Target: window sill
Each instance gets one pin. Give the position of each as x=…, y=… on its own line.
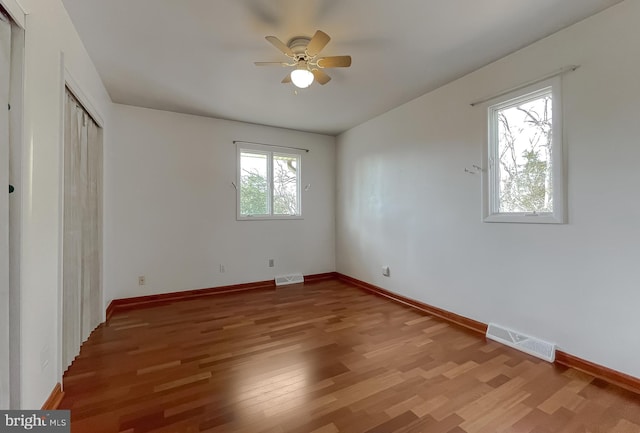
x=524, y=218
x=269, y=218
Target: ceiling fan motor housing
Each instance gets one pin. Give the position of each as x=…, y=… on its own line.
x=299, y=47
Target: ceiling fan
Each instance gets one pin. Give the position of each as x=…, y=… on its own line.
x=303, y=53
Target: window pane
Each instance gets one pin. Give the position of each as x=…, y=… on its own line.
x=254, y=191
x=524, y=156
x=285, y=184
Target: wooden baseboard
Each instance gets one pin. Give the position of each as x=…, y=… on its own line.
x=320, y=277
x=457, y=319
x=622, y=380
x=124, y=304
x=55, y=398
x=111, y=308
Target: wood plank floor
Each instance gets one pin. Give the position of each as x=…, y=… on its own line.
x=323, y=358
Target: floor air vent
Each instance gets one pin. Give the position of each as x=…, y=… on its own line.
x=289, y=279
x=532, y=346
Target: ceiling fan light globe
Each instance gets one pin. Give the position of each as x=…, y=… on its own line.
x=301, y=78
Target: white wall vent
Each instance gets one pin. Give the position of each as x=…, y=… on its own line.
x=289, y=279
x=532, y=346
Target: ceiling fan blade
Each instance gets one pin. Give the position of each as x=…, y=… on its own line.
x=280, y=45
x=271, y=64
x=320, y=76
x=334, y=62
x=286, y=79
x=317, y=43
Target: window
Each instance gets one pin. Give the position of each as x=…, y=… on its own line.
x=268, y=183
x=524, y=183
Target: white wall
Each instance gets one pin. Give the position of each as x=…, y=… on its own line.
x=49, y=33
x=404, y=200
x=170, y=207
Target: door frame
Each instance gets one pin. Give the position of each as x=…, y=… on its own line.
x=14, y=200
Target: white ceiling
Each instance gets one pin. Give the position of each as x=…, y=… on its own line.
x=196, y=56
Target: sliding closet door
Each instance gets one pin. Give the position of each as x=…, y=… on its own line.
x=82, y=292
x=92, y=232
x=72, y=239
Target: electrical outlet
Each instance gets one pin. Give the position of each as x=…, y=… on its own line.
x=222, y=269
x=141, y=280
x=271, y=263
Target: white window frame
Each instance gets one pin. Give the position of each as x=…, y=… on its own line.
x=490, y=176
x=270, y=151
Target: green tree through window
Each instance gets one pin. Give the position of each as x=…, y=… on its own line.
x=524, y=146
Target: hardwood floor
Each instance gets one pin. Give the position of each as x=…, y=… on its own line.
x=324, y=357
